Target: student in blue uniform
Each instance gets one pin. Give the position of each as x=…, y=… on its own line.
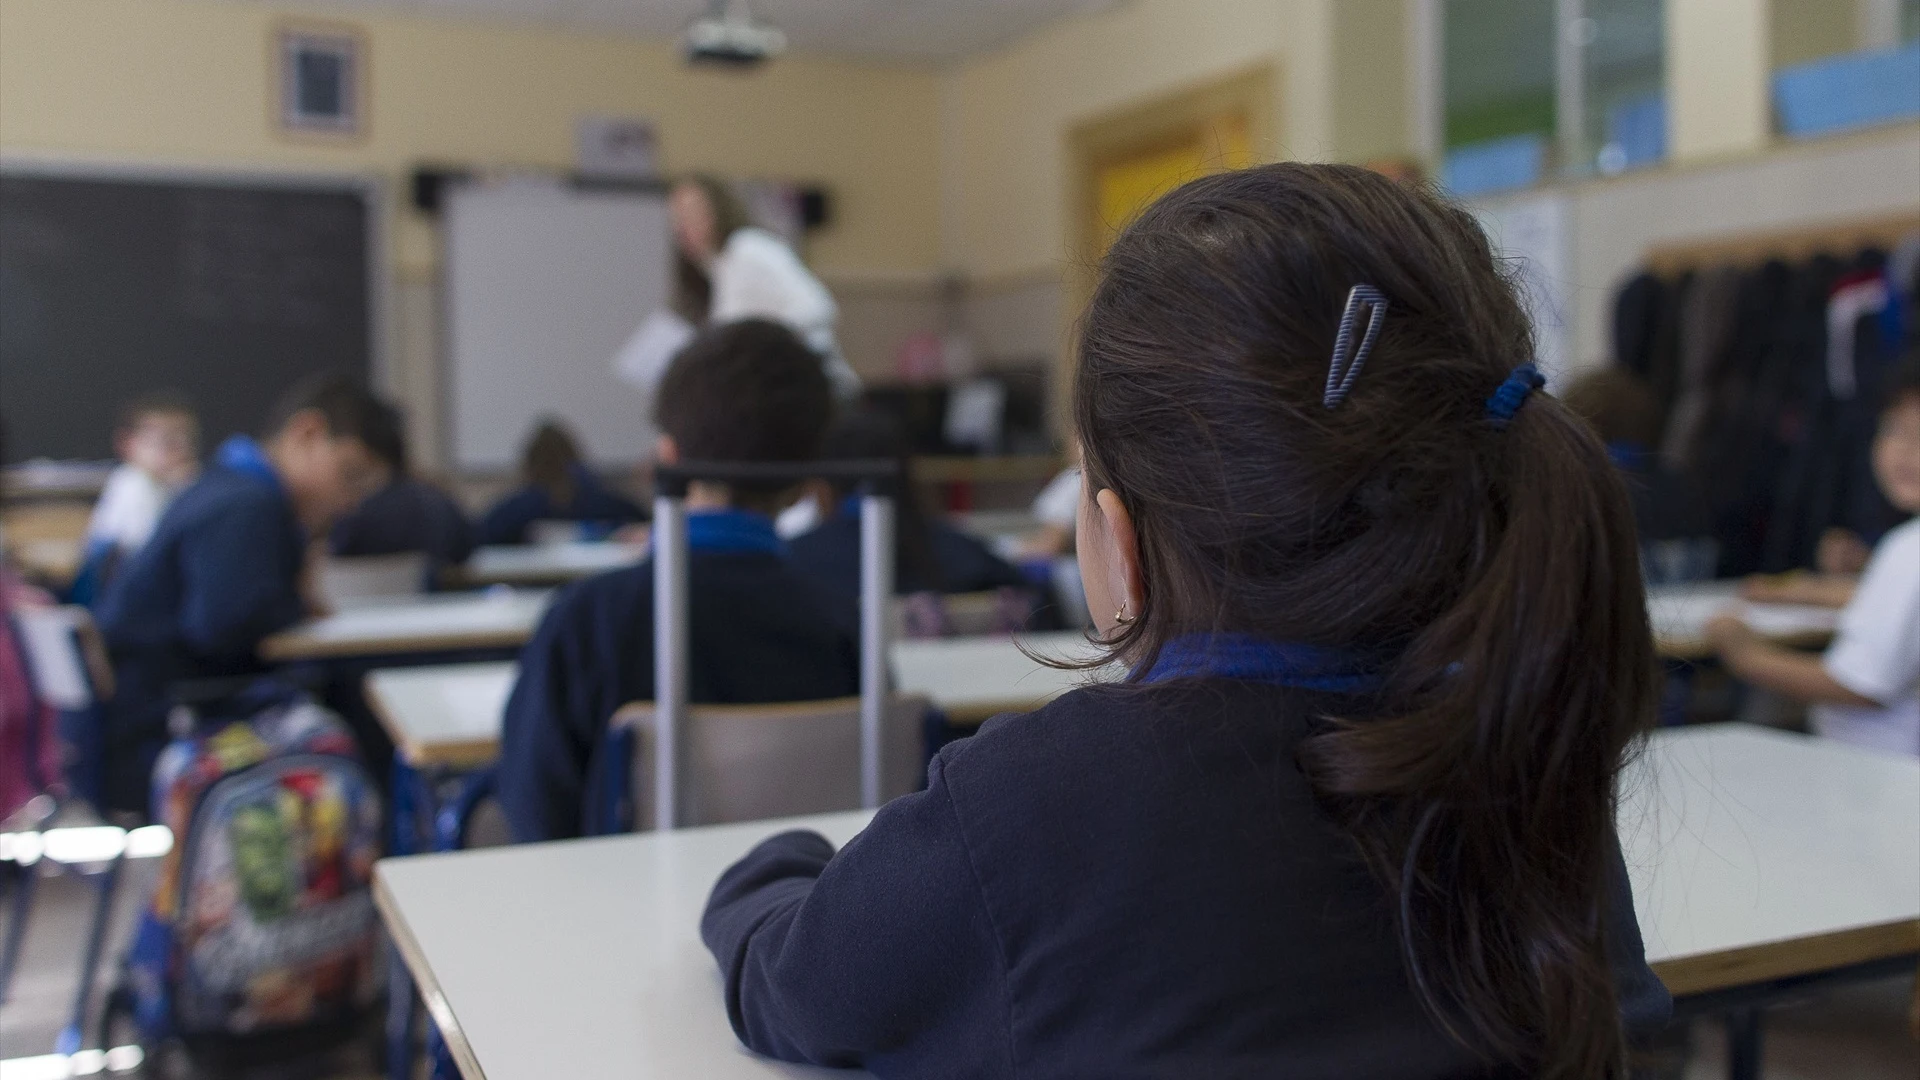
x=929, y=555
x=757, y=630
x=559, y=487
x=406, y=514
x=1351, y=813
x=1671, y=512
x=225, y=565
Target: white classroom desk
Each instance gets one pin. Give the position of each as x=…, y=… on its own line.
x=1680, y=613
x=547, y=564
x=442, y=715
x=496, y=619
x=448, y=715
x=1754, y=854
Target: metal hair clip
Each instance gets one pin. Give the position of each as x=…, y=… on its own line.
x=1347, y=357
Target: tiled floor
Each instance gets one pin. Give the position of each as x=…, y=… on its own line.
x=1858, y=1033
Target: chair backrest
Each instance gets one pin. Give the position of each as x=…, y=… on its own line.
x=751, y=762
x=345, y=583
x=64, y=655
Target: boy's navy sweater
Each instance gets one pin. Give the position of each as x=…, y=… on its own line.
x=406, y=515
x=1126, y=883
x=757, y=632
x=221, y=572
x=507, y=521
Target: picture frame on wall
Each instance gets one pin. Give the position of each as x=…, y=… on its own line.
x=322, y=78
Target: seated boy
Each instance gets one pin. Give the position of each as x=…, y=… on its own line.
x=158, y=444
x=757, y=630
x=225, y=566
x=1866, y=689
x=929, y=554
x=406, y=513
x=1669, y=510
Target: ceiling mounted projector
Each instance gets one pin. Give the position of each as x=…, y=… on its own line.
x=729, y=36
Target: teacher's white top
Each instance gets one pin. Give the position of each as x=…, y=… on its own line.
x=1753, y=854
x=756, y=275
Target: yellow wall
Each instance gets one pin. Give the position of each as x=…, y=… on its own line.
x=1008, y=113
x=188, y=81
x=1339, y=84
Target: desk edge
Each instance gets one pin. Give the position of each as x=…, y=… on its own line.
x=287, y=646
x=1750, y=964
x=415, y=958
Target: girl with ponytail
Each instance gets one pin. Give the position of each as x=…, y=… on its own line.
x=1352, y=812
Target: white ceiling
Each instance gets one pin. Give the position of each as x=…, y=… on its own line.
x=915, y=30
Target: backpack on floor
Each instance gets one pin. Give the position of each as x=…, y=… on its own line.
x=261, y=926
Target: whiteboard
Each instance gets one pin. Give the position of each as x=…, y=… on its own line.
x=545, y=282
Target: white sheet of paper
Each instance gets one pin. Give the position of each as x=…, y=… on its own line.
x=642, y=361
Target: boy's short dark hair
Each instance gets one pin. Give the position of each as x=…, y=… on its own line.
x=158, y=403
x=1902, y=384
x=746, y=391
x=386, y=438
x=1619, y=405
x=350, y=409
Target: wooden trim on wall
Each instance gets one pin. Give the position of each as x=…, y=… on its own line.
x=1139, y=128
x=1837, y=238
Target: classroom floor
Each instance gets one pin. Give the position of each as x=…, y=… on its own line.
x=1857, y=1033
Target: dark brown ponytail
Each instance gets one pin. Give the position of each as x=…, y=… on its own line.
x=1498, y=566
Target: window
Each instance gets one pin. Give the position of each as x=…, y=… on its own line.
x=1536, y=88
x=1843, y=66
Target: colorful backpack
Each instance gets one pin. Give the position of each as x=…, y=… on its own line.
x=262, y=921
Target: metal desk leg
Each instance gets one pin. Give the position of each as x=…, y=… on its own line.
x=74, y=1034
x=1744, y=1030
x=399, y=1017
x=25, y=877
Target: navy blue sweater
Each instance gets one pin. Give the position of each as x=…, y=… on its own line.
x=406, y=515
x=506, y=522
x=757, y=631
x=221, y=572
x=1122, y=884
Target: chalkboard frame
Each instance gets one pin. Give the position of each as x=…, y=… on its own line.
x=371, y=188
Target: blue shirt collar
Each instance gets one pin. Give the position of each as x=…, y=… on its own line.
x=1257, y=659
x=1630, y=456
x=243, y=455
x=732, y=531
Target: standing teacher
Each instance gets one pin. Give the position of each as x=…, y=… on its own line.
x=727, y=269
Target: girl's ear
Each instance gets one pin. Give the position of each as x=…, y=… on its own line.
x=1124, y=582
x=666, y=451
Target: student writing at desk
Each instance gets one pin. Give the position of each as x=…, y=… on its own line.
x=158, y=444
x=1866, y=688
x=757, y=630
x=225, y=565
x=929, y=554
x=1351, y=815
x=406, y=513
x=558, y=487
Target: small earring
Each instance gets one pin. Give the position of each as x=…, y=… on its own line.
x=1122, y=617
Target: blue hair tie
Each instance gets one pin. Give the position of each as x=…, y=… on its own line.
x=1512, y=394
x=1347, y=357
